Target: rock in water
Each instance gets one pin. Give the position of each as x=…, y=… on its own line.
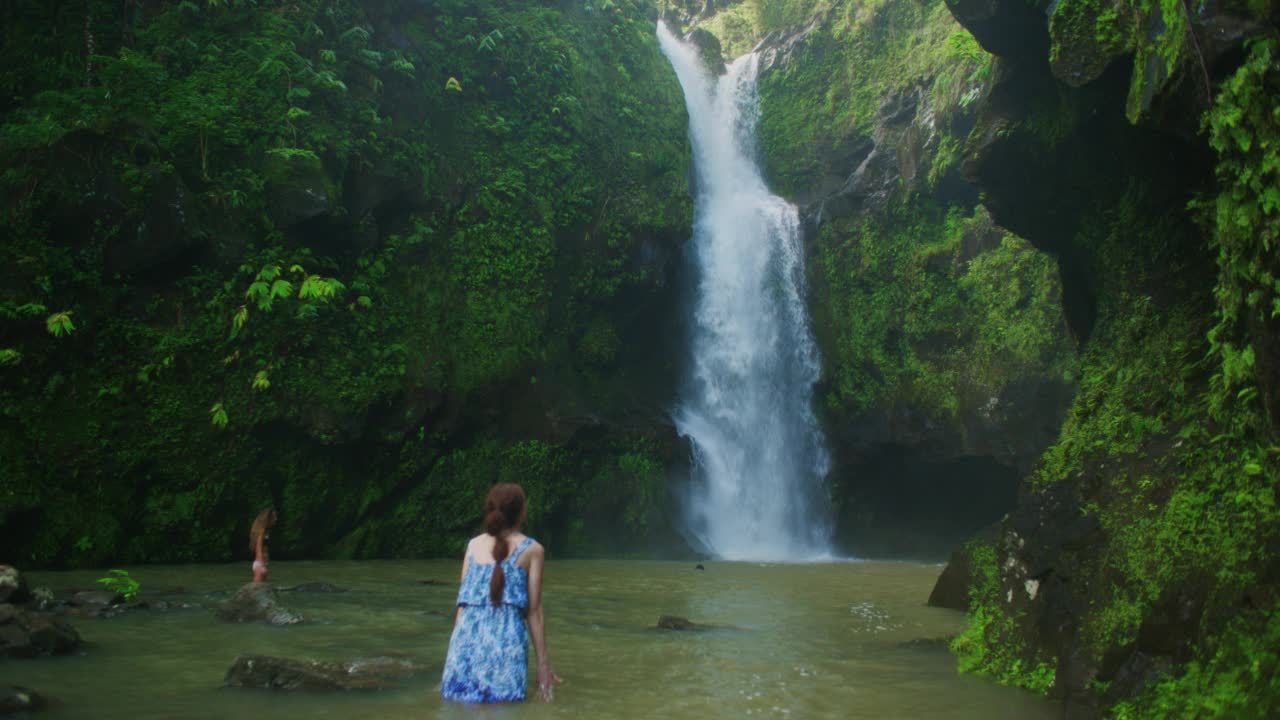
x=14, y=700
x=25, y=634
x=272, y=673
x=254, y=602
x=315, y=587
x=675, y=622
x=97, y=598
x=13, y=587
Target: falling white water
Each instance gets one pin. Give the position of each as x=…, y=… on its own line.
x=760, y=461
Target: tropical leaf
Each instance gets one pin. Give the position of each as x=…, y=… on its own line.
x=238, y=320
x=60, y=324
x=281, y=289
x=218, y=415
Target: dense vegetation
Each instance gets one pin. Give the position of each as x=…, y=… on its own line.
x=933, y=323
x=1142, y=563
x=358, y=260
x=352, y=259
x=1138, y=576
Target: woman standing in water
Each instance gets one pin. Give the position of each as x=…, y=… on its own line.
x=258, y=537
x=501, y=590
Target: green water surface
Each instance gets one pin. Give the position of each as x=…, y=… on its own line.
x=830, y=640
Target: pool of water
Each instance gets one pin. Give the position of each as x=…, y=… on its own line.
x=847, y=640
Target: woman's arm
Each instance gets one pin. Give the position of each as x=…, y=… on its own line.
x=537, y=625
x=466, y=560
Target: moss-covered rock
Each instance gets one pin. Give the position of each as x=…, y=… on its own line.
x=947, y=365
x=1143, y=551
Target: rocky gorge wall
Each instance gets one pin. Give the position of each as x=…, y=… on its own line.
x=948, y=365
x=1127, y=344
x=353, y=260
x=1137, y=143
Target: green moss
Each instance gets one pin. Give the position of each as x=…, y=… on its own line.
x=468, y=238
x=1240, y=678
x=991, y=644
x=902, y=318
x=827, y=97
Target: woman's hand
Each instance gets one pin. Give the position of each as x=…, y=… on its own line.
x=547, y=680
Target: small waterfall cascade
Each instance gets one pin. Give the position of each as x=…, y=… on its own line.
x=760, y=460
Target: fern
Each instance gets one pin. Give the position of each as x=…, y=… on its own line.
x=218, y=416
x=238, y=320
x=281, y=288
x=319, y=288
x=60, y=324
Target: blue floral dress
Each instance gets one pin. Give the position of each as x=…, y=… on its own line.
x=488, y=658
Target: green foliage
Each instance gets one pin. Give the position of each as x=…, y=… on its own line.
x=903, y=318
x=991, y=643
x=464, y=241
x=1239, y=678
x=218, y=416
x=118, y=581
x=59, y=324
x=828, y=96
x=1244, y=130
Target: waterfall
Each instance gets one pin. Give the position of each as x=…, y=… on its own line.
x=760, y=461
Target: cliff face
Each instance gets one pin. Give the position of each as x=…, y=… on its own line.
x=1117, y=367
x=355, y=260
x=947, y=362
x=1139, y=571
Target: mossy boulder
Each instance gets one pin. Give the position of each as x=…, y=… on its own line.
x=298, y=189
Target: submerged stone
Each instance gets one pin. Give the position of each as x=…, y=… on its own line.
x=14, y=700
x=26, y=634
x=273, y=673
x=256, y=602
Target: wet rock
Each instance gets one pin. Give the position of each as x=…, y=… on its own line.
x=13, y=586
x=682, y=624
x=25, y=633
x=42, y=598
x=297, y=188
x=167, y=229
x=97, y=598
x=14, y=700
x=934, y=644
x=1137, y=672
x=315, y=587
x=272, y=673
x=709, y=48
x=256, y=602
x=952, y=587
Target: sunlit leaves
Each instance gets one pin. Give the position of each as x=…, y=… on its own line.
x=238, y=320
x=452, y=85
x=59, y=324
x=218, y=416
x=261, y=381
x=319, y=288
x=281, y=289
x=9, y=356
